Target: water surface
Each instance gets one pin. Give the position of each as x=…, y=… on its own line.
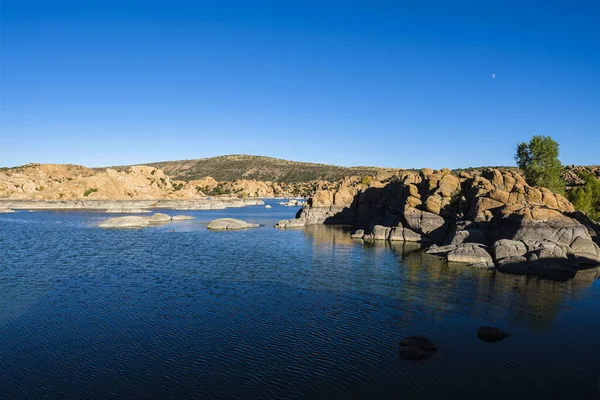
x=265, y=313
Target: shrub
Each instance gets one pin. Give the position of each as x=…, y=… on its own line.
x=366, y=180
x=586, y=198
x=539, y=161
x=177, y=186
x=89, y=191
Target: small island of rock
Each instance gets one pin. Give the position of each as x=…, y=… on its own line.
x=229, y=224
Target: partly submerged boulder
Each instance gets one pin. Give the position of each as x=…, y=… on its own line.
x=229, y=224
x=471, y=253
x=159, y=218
x=182, y=217
x=417, y=348
x=491, y=334
x=125, y=222
x=290, y=223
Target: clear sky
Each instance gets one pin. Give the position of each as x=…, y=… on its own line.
x=397, y=84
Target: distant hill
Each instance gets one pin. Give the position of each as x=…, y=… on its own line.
x=239, y=166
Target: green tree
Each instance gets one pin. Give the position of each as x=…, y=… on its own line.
x=586, y=198
x=539, y=160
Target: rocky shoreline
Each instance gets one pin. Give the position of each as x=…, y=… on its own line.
x=129, y=206
x=493, y=219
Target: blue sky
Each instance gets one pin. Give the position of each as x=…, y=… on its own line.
x=397, y=84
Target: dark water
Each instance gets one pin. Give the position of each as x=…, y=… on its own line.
x=87, y=313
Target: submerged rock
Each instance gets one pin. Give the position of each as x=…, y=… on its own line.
x=413, y=353
x=125, y=222
x=229, y=224
x=417, y=348
x=491, y=334
x=268, y=206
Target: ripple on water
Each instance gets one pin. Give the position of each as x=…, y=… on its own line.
x=91, y=313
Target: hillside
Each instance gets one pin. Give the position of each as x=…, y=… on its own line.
x=235, y=167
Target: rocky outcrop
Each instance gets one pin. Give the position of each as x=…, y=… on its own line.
x=489, y=219
x=69, y=182
x=229, y=224
x=65, y=182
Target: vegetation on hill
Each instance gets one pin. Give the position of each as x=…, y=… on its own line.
x=234, y=167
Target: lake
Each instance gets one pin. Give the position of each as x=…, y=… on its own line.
x=90, y=313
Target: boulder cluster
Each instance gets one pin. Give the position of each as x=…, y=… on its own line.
x=490, y=219
x=140, y=222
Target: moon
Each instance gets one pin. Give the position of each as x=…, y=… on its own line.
x=493, y=76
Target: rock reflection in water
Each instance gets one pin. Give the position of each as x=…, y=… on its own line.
x=427, y=280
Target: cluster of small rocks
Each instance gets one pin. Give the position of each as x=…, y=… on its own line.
x=419, y=347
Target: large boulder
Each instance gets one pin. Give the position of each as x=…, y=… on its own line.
x=229, y=224
x=426, y=223
x=506, y=248
x=471, y=253
x=381, y=232
x=401, y=233
x=585, y=250
x=125, y=222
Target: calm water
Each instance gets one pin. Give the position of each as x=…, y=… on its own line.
x=87, y=313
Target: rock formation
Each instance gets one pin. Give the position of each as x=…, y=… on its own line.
x=67, y=182
x=491, y=219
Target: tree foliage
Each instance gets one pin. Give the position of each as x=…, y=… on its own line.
x=586, y=198
x=539, y=161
